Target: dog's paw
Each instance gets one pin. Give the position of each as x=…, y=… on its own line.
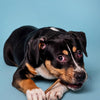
x=56, y=93
x=35, y=94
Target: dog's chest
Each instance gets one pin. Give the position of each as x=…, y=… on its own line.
x=42, y=71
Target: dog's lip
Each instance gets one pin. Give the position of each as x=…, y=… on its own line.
x=75, y=86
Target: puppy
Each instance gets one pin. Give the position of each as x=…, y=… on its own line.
x=50, y=52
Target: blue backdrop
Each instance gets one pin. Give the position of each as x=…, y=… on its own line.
x=76, y=15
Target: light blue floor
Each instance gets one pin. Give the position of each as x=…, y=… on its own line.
x=76, y=15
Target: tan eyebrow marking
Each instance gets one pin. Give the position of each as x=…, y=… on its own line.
x=65, y=52
x=74, y=49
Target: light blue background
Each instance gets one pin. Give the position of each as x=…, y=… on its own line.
x=76, y=15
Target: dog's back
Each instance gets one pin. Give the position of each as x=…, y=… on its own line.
x=13, y=42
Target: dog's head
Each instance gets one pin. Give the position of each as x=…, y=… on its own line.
x=62, y=54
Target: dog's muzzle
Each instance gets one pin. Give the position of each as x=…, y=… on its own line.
x=77, y=80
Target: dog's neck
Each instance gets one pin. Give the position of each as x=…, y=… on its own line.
x=42, y=71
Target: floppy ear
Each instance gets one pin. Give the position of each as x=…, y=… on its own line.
x=82, y=40
x=35, y=45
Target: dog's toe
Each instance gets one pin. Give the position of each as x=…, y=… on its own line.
x=56, y=93
x=35, y=94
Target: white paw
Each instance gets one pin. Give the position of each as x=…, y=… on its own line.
x=56, y=93
x=35, y=94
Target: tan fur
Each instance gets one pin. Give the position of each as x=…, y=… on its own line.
x=56, y=72
x=27, y=84
x=65, y=52
x=65, y=74
x=31, y=69
x=29, y=75
x=70, y=74
x=40, y=45
x=74, y=49
x=42, y=71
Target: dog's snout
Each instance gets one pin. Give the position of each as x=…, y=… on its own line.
x=80, y=76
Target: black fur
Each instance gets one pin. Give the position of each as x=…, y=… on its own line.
x=23, y=47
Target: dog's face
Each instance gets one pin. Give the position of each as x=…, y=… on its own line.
x=63, y=57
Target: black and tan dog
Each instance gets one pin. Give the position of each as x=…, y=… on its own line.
x=53, y=53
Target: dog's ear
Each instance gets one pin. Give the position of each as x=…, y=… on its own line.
x=82, y=40
x=34, y=47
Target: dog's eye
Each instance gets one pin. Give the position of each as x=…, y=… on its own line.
x=61, y=58
x=79, y=54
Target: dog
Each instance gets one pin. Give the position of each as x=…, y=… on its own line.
x=49, y=52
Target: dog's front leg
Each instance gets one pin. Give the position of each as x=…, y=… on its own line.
x=23, y=82
x=56, y=92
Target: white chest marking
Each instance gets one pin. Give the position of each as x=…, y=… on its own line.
x=54, y=29
x=42, y=71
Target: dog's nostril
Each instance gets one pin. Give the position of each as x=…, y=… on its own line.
x=80, y=76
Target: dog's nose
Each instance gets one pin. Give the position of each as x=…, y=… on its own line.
x=80, y=76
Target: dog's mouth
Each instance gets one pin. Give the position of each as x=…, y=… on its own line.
x=75, y=86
